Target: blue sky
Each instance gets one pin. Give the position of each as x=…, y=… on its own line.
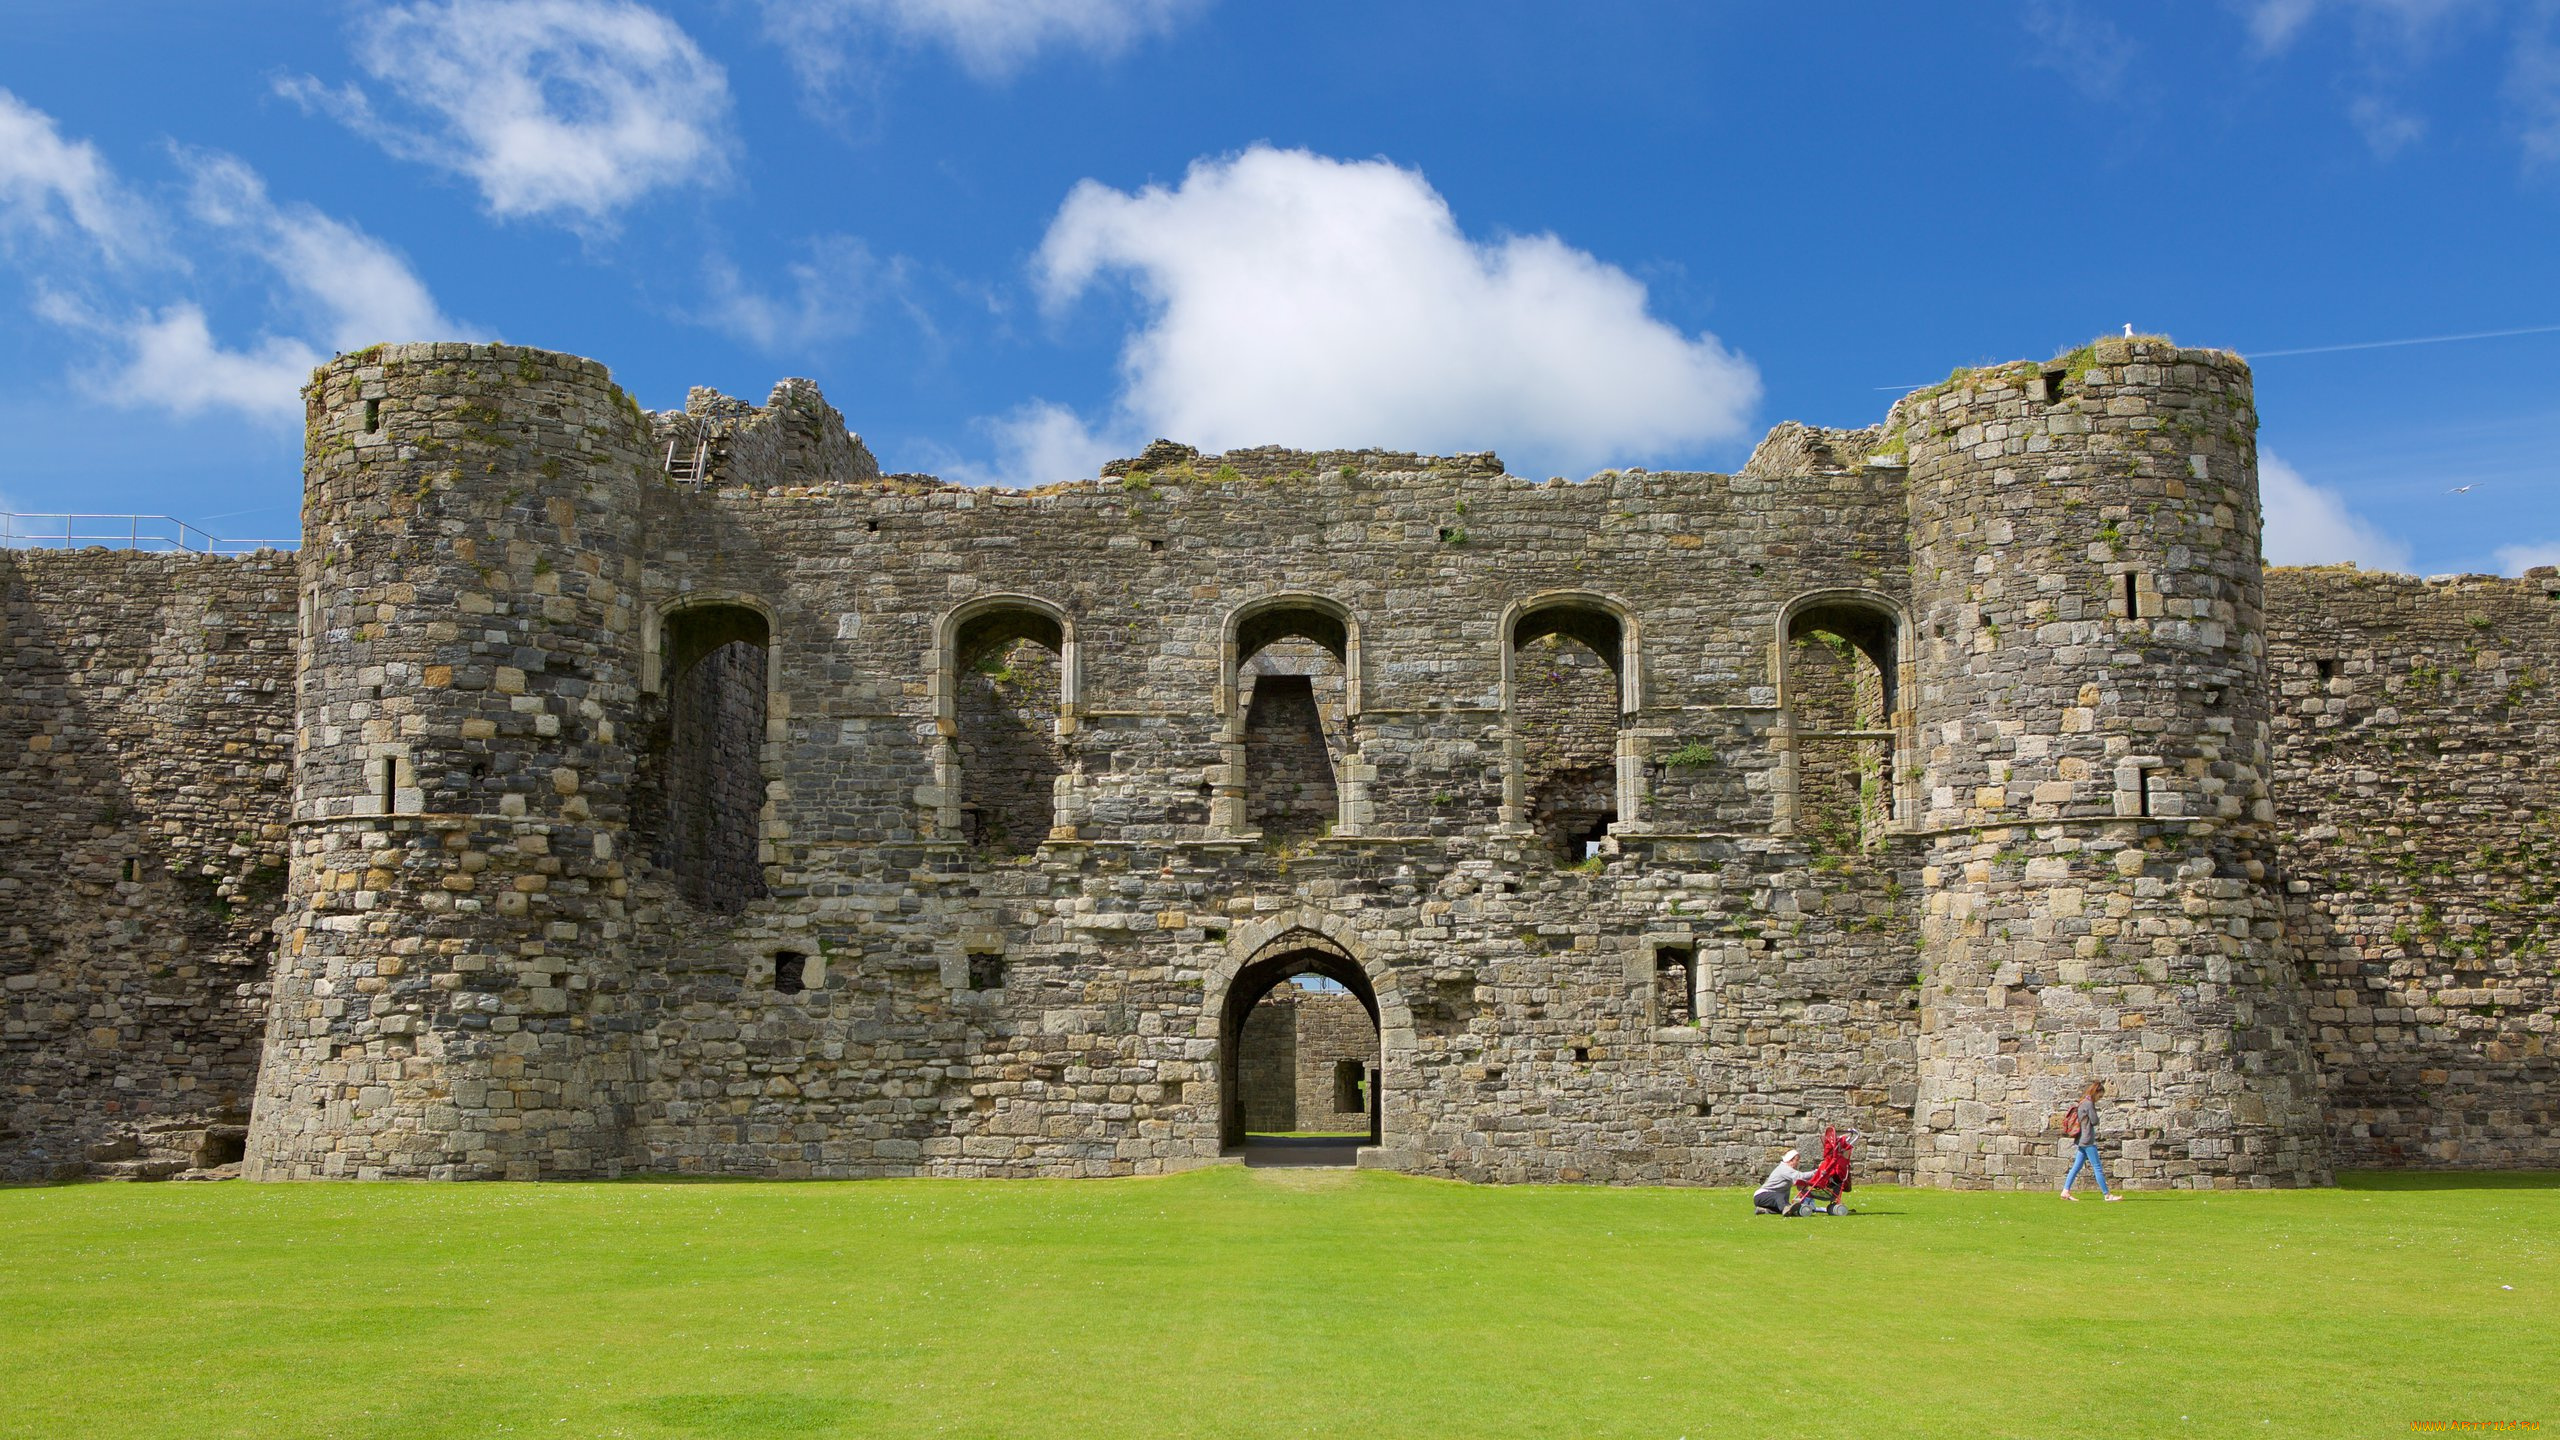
x=1013, y=237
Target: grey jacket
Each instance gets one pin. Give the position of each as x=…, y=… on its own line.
x=2088, y=1109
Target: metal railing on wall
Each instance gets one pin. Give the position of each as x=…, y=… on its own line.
x=122, y=532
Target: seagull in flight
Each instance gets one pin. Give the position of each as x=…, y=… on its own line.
x=2459, y=490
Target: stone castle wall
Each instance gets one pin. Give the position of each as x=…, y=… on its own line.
x=1293, y=1046
x=775, y=817
x=2418, y=801
x=146, y=725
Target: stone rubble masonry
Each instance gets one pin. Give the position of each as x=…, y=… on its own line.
x=2092, y=724
x=2277, y=878
x=2417, y=790
x=1294, y=1042
x=146, y=728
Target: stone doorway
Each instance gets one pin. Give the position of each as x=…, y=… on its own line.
x=1299, y=1066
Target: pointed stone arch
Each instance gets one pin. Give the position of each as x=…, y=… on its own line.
x=1267, y=950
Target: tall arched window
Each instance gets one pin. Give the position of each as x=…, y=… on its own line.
x=1840, y=684
x=1570, y=678
x=1290, y=694
x=1007, y=684
x=714, y=667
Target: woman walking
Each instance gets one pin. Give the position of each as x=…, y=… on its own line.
x=2081, y=1124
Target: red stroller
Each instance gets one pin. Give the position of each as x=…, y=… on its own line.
x=1822, y=1190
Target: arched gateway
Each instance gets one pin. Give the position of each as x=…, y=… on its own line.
x=1269, y=953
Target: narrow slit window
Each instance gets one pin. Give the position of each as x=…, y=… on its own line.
x=2132, y=597
x=390, y=785
x=132, y=869
x=2142, y=791
x=372, y=416
x=1674, y=1002
x=790, y=972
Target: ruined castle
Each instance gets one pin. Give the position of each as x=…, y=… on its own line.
x=600, y=792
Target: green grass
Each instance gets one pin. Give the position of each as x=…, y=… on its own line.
x=1236, y=1303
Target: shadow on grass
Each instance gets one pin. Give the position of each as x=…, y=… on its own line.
x=2449, y=1179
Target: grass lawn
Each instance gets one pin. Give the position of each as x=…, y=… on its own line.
x=1231, y=1303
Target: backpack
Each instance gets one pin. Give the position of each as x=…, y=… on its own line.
x=2068, y=1123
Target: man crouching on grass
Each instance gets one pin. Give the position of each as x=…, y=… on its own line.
x=1771, y=1197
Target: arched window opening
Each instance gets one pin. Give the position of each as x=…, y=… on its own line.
x=1290, y=692
x=1008, y=690
x=1299, y=1046
x=1839, y=692
x=1567, y=701
x=712, y=765
x=1293, y=701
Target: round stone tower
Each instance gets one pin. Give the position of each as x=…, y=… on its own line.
x=2093, y=736
x=444, y=997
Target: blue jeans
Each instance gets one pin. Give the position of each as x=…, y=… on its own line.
x=2088, y=1155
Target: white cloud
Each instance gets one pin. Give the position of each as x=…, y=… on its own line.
x=168, y=359
x=555, y=108
x=2086, y=49
x=992, y=39
x=46, y=180
x=2533, y=85
x=2276, y=24
x=2307, y=525
x=822, y=297
x=1038, y=444
x=2517, y=559
x=351, y=288
x=2387, y=129
x=323, y=283
x=2393, y=39
x=1318, y=302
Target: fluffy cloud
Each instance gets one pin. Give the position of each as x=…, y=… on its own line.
x=823, y=296
x=2393, y=38
x=351, y=290
x=992, y=39
x=168, y=359
x=563, y=109
x=50, y=186
x=1040, y=443
x=1319, y=302
x=2307, y=525
x=2517, y=559
x=115, y=274
x=2085, y=49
